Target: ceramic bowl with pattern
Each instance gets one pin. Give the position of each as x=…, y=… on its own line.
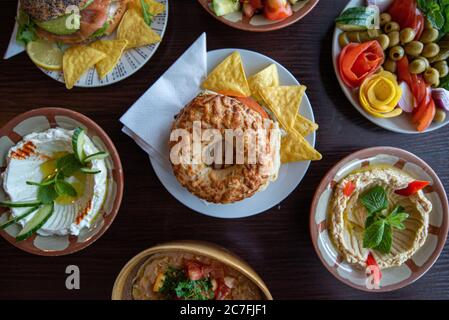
x=40, y=120
x=258, y=23
x=395, y=277
x=123, y=284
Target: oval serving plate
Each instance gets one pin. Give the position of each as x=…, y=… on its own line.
x=259, y=23
x=396, y=277
x=290, y=175
x=401, y=124
x=40, y=120
x=130, y=62
x=123, y=283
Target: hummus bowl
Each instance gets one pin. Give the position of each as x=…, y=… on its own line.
x=131, y=274
x=335, y=230
x=31, y=146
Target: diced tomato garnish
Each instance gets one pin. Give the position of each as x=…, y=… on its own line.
x=222, y=289
x=248, y=9
x=277, y=9
x=256, y=4
x=412, y=188
x=371, y=262
x=348, y=188
x=194, y=270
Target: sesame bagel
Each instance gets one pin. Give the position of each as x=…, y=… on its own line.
x=231, y=182
x=44, y=10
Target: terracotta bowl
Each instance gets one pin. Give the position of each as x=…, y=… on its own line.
x=123, y=283
x=41, y=120
x=259, y=23
x=392, y=278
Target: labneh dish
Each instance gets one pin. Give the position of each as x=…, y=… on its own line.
x=379, y=216
x=179, y=275
x=56, y=182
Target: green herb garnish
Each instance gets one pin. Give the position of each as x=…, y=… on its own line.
x=437, y=12
x=378, y=225
x=100, y=32
x=27, y=28
x=147, y=15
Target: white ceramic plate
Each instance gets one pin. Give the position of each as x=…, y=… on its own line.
x=131, y=61
x=401, y=124
x=290, y=175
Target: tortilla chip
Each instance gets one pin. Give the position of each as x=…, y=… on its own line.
x=284, y=102
x=77, y=60
x=134, y=29
x=228, y=77
x=268, y=77
x=155, y=7
x=304, y=126
x=295, y=148
x=113, y=49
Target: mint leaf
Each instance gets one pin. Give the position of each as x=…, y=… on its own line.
x=396, y=217
x=374, y=233
x=370, y=220
x=387, y=239
x=64, y=188
x=47, y=194
x=68, y=165
x=375, y=200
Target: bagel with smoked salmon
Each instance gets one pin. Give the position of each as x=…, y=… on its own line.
x=228, y=182
x=55, y=19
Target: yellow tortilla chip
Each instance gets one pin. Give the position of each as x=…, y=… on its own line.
x=113, y=49
x=284, y=102
x=295, y=148
x=228, y=77
x=77, y=60
x=154, y=7
x=304, y=126
x=134, y=29
x=268, y=77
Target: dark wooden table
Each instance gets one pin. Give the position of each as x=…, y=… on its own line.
x=276, y=243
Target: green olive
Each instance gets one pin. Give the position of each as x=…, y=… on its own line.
x=374, y=33
x=396, y=53
x=384, y=41
x=384, y=19
x=432, y=77
x=417, y=66
x=425, y=61
x=364, y=36
x=440, y=116
x=343, y=39
x=353, y=36
x=394, y=38
x=407, y=35
x=414, y=48
x=430, y=50
x=442, y=68
x=429, y=35
x=390, y=65
x=392, y=26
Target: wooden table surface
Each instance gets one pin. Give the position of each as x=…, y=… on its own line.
x=276, y=243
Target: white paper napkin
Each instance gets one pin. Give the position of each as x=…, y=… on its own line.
x=150, y=119
x=14, y=47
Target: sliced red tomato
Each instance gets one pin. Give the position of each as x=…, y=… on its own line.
x=348, y=188
x=412, y=188
x=277, y=9
x=407, y=14
x=403, y=71
x=357, y=61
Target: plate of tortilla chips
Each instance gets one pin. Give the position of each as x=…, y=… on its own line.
x=265, y=80
x=113, y=58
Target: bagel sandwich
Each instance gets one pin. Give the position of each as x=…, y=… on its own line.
x=56, y=20
x=234, y=182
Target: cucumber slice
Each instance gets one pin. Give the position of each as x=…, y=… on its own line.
x=90, y=170
x=19, y=204
x=78, y=139
x=96, y=156
x=17, y=219
x=223, y=7
x=36, y=222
